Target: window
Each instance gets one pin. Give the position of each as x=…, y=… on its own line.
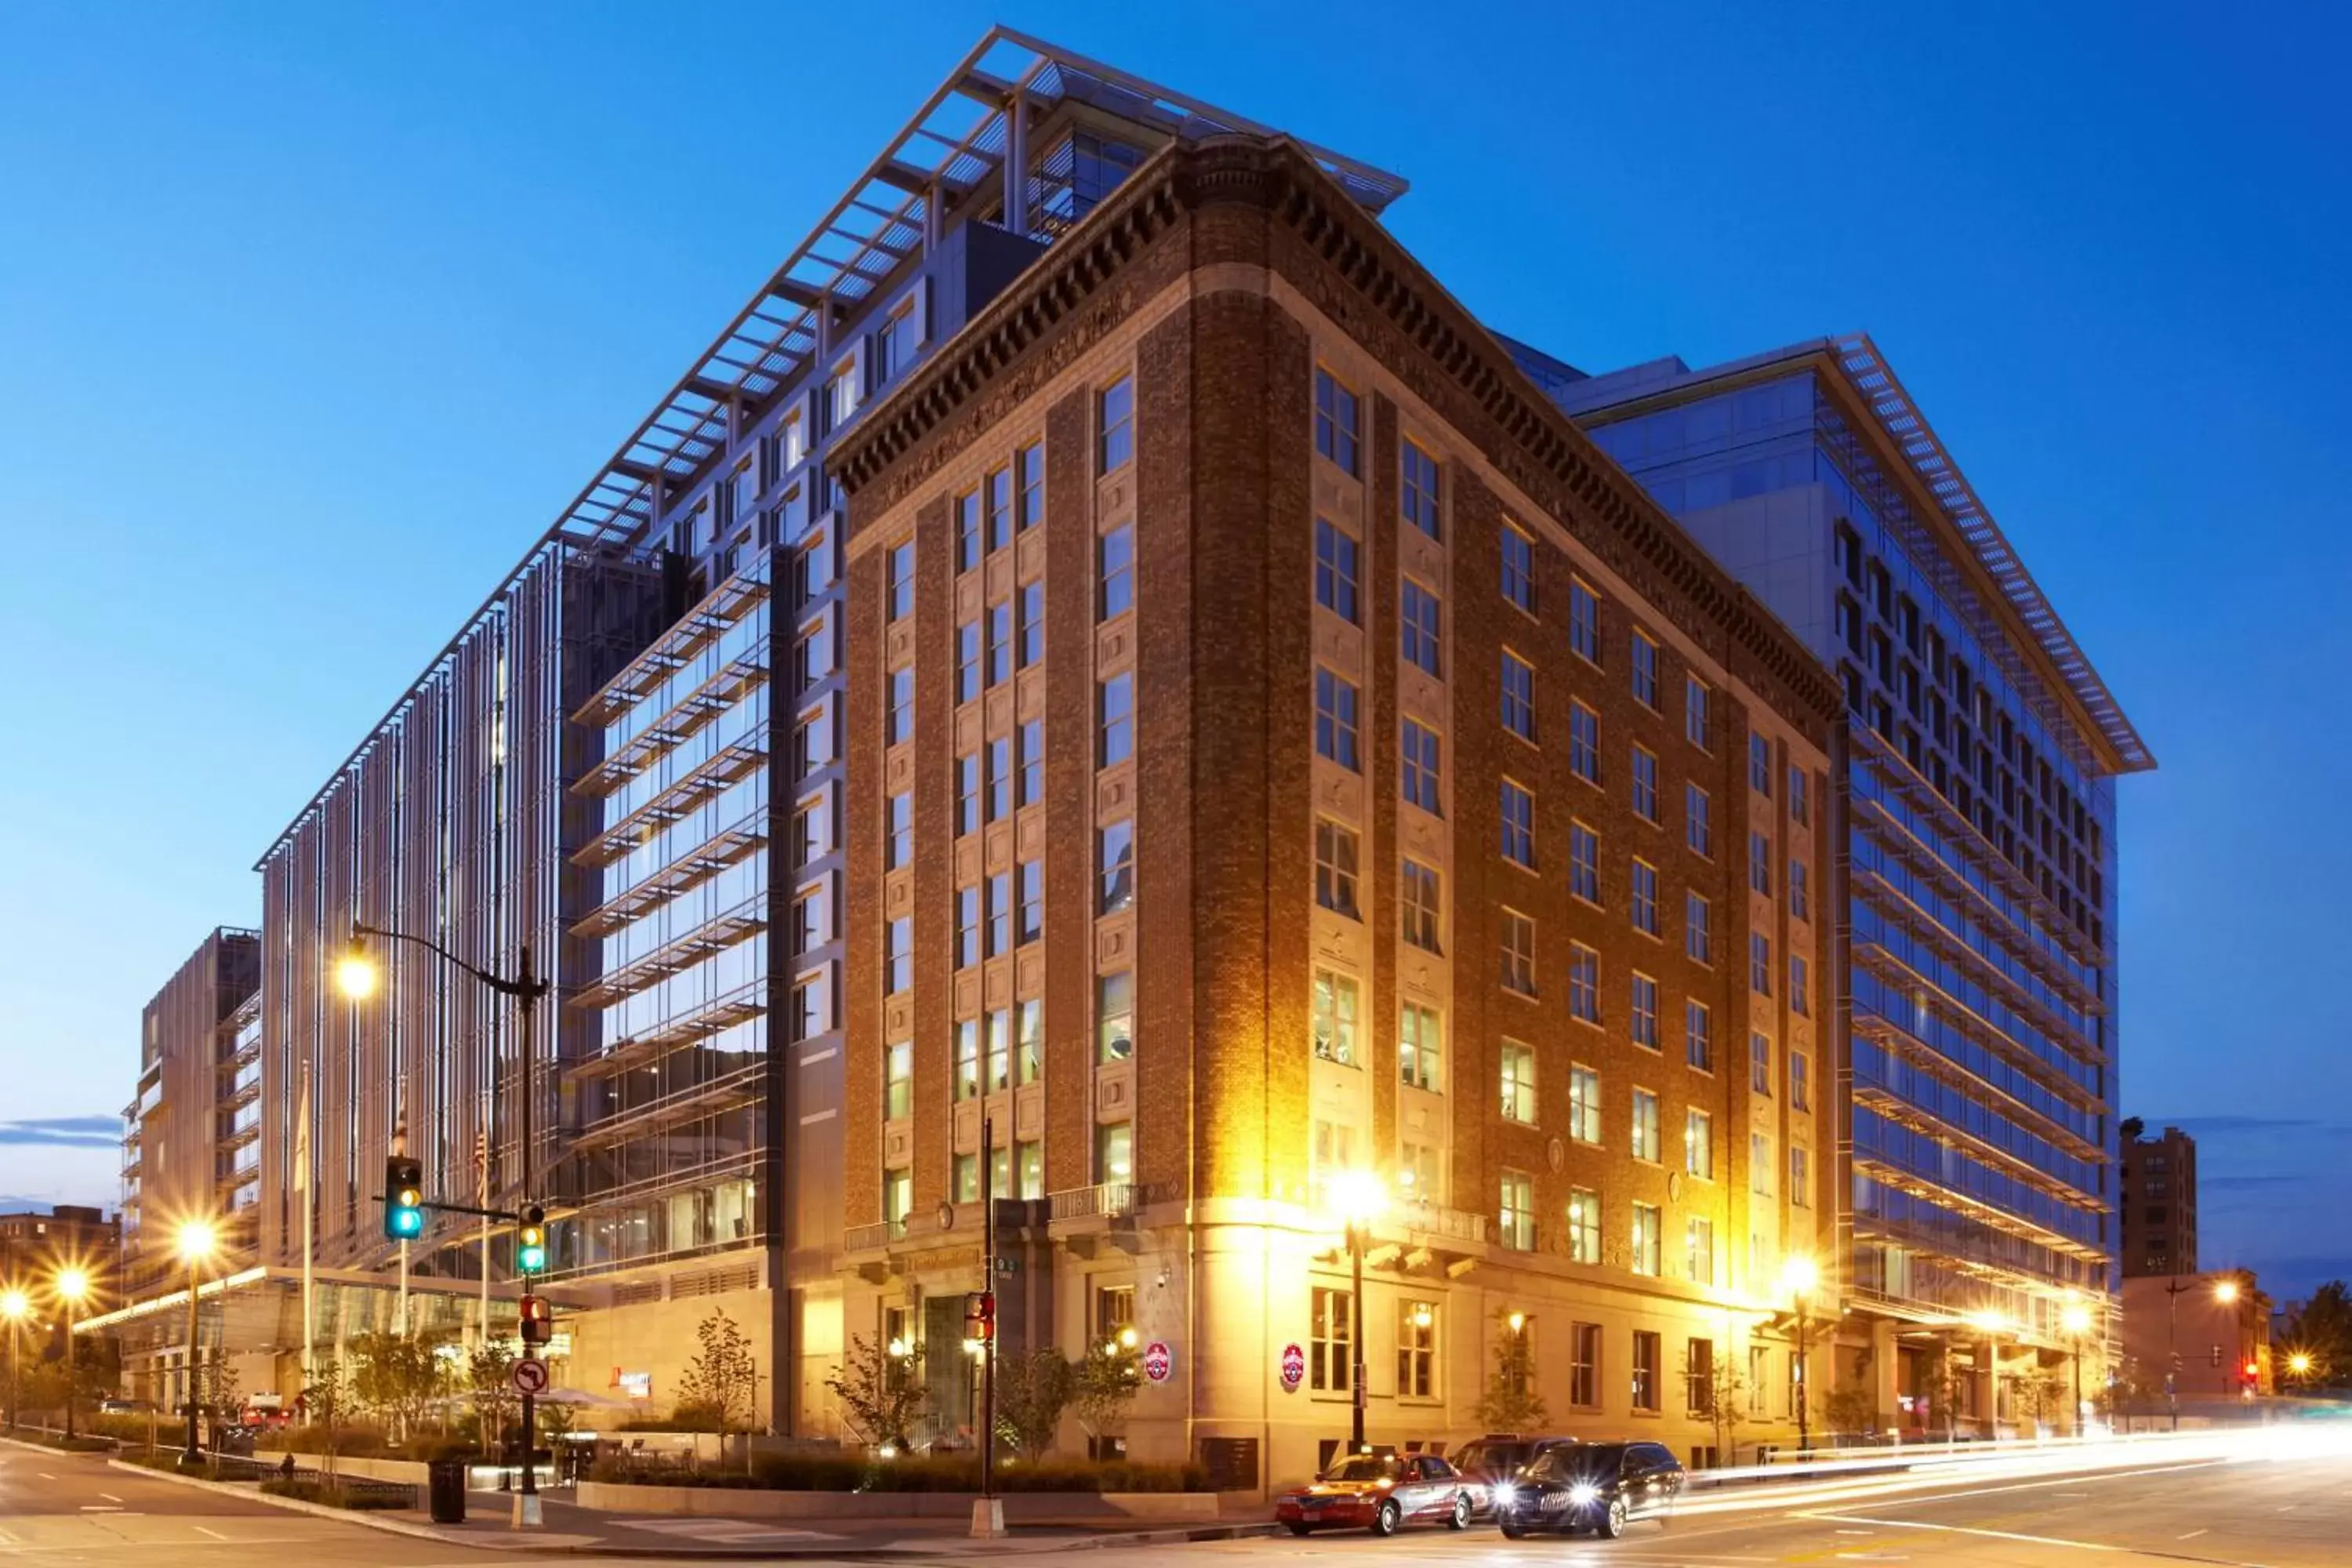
x=1516, y=1212
x=1801, y=1176
x=1800, y=986
x=1759, y=1062
x=1698, y=1144
x=1419, y=492
x=967, y=1178
x=901, y=596
x=1335, y=571
x=1115, y=572
x=1031, y=740
x=1335, y=1017
x=968, y=661
x=1583, y=984
x=971, y=544
x=1032, y=624
x=999, y=778
x=1518, y=819
x=1699, y=820
x=1421, y=903
x=1029, y=1039
x=1518, y=1064
x=1421, y=1172
x=998, y=505
x=1645, y=784
x=899, y=721
x=1760, y=1386
x=1117, y=409
x=1800, y=808
x=1584, y=1362
x=841, y=394
x=1583, y=620
x=1418, y=630
x=1646, y=898
x=1420, y=1046
x=898, y=1081
x=1759, y=864
x=1419, y=782
x=1698, y=929
x=1583, y=1226
x=1335, y=421
x=967, y=926
x=1760, y=1162
x=1760, y=964
x=1645, y=671
x=1699, y=1254
x=1335, y=720
x=1584, y=743
x=1649, y=1237
x=1518, y=569
x=1114, y=1016
x=1799, y=894
x=1698, y=1036
x=1032, y=924
x=1335, y=868
x=1759, y=764
x=1519, y=696
x=1000, y=1056
x=898, y=956
x=1330, y=1351
x=791, y=442
x=1116, y=856
x=1032, y=465
x=1644, y=1026
x=1115, y=719
x=1648, y=1352
x=1584, y=1104
x=967, y=1058
x=1696, y=696
x=1646, y=1145
x=1416, y=1341
x=1584, y=863
x=902, y=831
x=1115, y=1153
x=1518, y=950
x=1800, y=1082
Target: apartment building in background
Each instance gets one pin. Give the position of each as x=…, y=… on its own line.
x=35, y=1243
x=2159, y=1202
x=1975, y=822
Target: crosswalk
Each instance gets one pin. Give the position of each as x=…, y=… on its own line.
x=723, y=1531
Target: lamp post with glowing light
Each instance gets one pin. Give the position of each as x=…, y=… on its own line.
x=1357, y=1200
x=14, y=1306
x=71, y=1285
x=2075, y=1319
x=1799, y=1276
x=195, y=1245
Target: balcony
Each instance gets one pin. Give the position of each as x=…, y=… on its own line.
x=725, y=688
x=1105, y=1200
x=873, y=1237
x=708, y=780
x=713, y=936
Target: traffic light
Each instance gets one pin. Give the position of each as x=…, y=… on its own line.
x=537, y=1323
x=2254, y=1370
x=531, y=1242
x=980, y=1317
x=403, y=1198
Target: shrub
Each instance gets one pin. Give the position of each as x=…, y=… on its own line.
x=352, y=1442
x=336, y=1495
x=845, y=1473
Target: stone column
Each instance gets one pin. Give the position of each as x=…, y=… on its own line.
x=1885, y=1364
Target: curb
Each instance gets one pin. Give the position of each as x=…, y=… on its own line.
x=292, y=1505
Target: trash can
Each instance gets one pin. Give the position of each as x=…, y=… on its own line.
x=445, y=1487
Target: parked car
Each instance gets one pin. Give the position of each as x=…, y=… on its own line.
x=1486, y=1462
x=1600, y=1487
x=1379, y=1492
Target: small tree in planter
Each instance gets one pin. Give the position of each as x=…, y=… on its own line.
x=327, y=1402
x=217, y=1392
x=1726, y=1392
x=396, y=1376
x=1032, y=1391
x=1106, y=1384
x=723, y=1379
x=883, y=1396
x=1511, y=1402
x=1853, y=1409
x=490, y=1383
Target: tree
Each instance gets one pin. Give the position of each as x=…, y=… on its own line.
x=490, y=1383
x=1852, y=1409
x=1032, y=1391
x=723, y=1378
x=328, y=1401
x=1940, y=1383
x=2130, y=1128
x=2322, y=1329
x=1511, y=1402
x=882, y=1396
x=397, y=1376
x=1107, y=1384
x=1726, y=1392
x=216, y=1390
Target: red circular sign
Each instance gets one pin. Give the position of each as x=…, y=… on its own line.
x=1159, y=1361
x=1294, y=1367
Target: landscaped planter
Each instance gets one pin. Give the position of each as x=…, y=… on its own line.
x=1020, y=1508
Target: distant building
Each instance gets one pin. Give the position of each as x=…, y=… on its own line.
x=2159, y=1204
x=36, y=1243
x=2198, y=1338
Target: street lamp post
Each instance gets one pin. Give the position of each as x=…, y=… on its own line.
x=2075, y=1318
x=14, y=1305
x=1358, y=1200
x=356, y=973
x=72, y=1284
x=195, y=1245
x=1798, y=1275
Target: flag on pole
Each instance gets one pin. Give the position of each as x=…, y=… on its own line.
x=302, y=1133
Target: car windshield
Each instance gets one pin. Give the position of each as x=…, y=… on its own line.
x=1362, y=1468
x=1578, y=1461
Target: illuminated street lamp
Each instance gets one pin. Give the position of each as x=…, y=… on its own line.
x=1799, y=1276
x=196, y=1242
x=14, y=1305
x=1357, y=1199
x=2075, y=1319
x=71, y=1285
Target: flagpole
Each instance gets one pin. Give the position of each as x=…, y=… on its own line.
x=302, y=1186
x=482, y=1182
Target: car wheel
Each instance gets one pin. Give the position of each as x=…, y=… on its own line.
x=1511, y=1528
x=1386, y=1521
x=1300, y=1529
x=1612, y=1522
x=1460, y=1518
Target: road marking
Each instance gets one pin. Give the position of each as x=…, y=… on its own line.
x=45, y=1475
x=216, y=1534
x=110, y=1497
x=2290, y=1508
x=2193, y=1534
x=100, y=1507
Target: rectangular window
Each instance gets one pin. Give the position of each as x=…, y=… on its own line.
x=1519, y=952
x=967, y=926
x=898, y=956
x=1032, y=740
x=971, y=544
x=1645, y=1024
x=1799, y=895
x=899, y=722
x=1698, y=929
x=1335, y=868
x=1760, y=964
x=1032, y=624
x=968, y=667
x=1330, y=1342
x=1646, y=898
x=1335, y=1017
x=1698, y=1253
x=1519, y=553
x=1584, y=1362
x=1698, y=1144
x=1584, y=1104
x=998, y=506
x=1648, y=1358
x=1421, y=1172
x=1518, y=1064
x=1649, y=1248
x=842, y=393
x=898, y=1081
x=1519, y=696
x=1420, y=767
x=1759, y=864
x=901, y=598
x=1115, y=1153
x=1422, y=902
x=967, y=1178
x=1583, y=620
x=1029, y=1160
x=791, y=442
x=1000, y=1057
x=1032, y=902
x=1335, y=574
x=999, y=778
x=1698, y=1036
x=1799, y=806
x=967, y=1058
x=1800, y=986
x=1759, y=764
x=1418, y=630
x=1416, y=1358
x=1760, y=1162
x=1645, y=671
x=1584, y=863
x=1115, y=572
x=1583, y=1226
x=1116, y=421
x=1519, y=822
x=1583, y=984
x=1800, y=1082
x=1699, y=820
x=1335, y=721
x=1645, y=784
x=1032, y=464
x=1646, y=1145
x=1696, y=697
x=1759, y=1062
x=1584, y=743
x=902, y=831
x=1419, y=492
x=1115, y=719
x=1335, y=421
x=1421, y=1047
x=1800, y=1177
x=1114, y=1016
x=1116, y=855
x=1516, y=1212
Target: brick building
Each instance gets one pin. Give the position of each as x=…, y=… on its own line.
x=1278, y=744
x=2159, y=1202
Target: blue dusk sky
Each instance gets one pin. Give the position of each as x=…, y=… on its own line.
x=312, y=317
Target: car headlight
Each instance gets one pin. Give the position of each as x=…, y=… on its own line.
x=1506, y=1495
x=1584, y=1494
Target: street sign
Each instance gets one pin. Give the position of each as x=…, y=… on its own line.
x=530, y=1377
x=1159, y=1361
x=1294, y=1367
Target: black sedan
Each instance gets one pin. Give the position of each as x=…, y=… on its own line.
x=1600, y=1487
